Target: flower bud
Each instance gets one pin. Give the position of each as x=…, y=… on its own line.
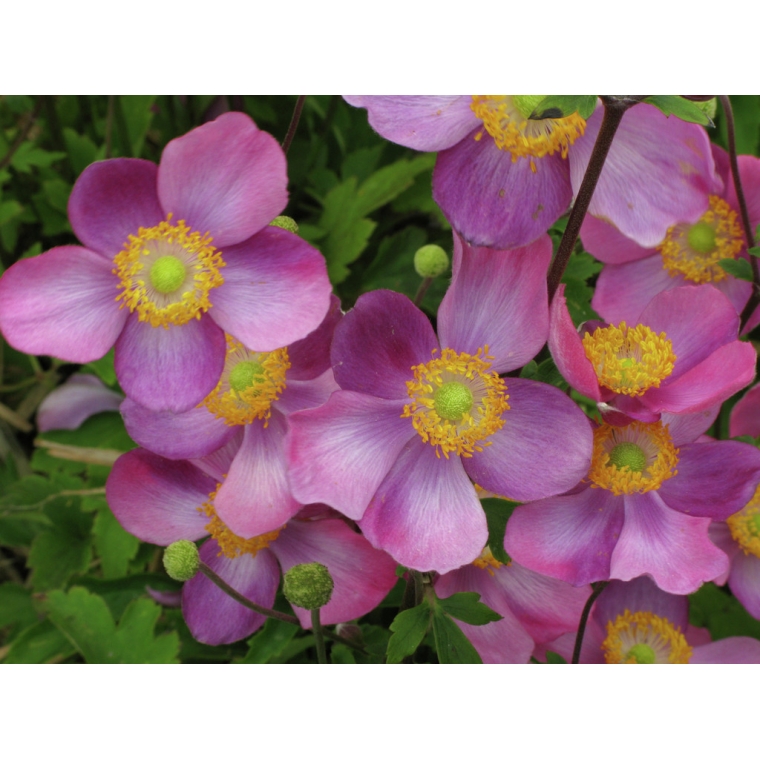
x=181, y=560
x=309, y=586
x=431, y=261
x=286, y=223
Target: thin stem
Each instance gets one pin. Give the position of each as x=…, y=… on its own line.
x=614, y=110
x=597, y=589
x=292, y=619
x=293, y=123
x=423, y=288
x=319, y=638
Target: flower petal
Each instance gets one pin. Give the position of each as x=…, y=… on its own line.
x=425, y=513
x=172, y=368
x=735, y=650
x=306, y=394
x=339, y=453
x=310, y=356
x=63, y=304
x=378, y=342
x=671, y=547
x=497, y=299
x=225, y=177
x=494, y=201
x=157, y=499
x=686, y=428
x=605, y=242
x=215, y=618
x=275, y=290
x=745, y=416
x=543, y=449
x=69, y=405
x=744, y=581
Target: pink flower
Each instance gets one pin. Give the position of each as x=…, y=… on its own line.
x=184, y=247
x=162, y=501
x=502, y=180
x=69, y=405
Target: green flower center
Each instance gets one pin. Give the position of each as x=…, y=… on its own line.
x=627, y=454
x=526, y=104
x=244, y=374
x=642, y=653
x=167, y=274
x=701, y=238
x=753, y=524
x=453, y=400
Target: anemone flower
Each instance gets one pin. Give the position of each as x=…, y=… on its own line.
x=69, y=405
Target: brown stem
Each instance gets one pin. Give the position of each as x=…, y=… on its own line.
x=422, y=290
x=597, y=589
x=293, y=123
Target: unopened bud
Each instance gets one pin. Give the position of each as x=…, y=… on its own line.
x=181, y=560
x=431, y=261
x=286, y=223
x=309, y=586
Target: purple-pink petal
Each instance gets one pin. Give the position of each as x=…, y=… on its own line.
x=111, y=200
x=669, y=546
x=255, y=497
x=425, y=513
x=306, y=394
x=735, y=650
x=226, y=177
x=686, y=428
x=310, y=356
x=378, y=342
x=744, y=581
x=275, y=290
x=497, y=299
x=158, y=500
x=215, y=618
x=363, y=576
x=543, y=449
x=171, y=368
x=63, y=304
x=422, y=122
x=69, y=405
x=745, y=416
x=494, y=201
x=605, y=242
x=339, y=453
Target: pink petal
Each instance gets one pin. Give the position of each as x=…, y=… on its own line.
x=735, y=650
x=310, y=356
x=306, y=394
x=69, y=405
x=63, y=304
x=744, y=581
x=225, y=177
x=605, y=242
x=745, y=416
x=686, y=428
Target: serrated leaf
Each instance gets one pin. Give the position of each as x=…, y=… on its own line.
x=269, y=642
x=82, y=151
x=29, y=156
x=498, y=512
x=115, y=546
x=675, y=105
x=739, y=268
x=409, y=628
x=561, y=106
x=467, y=607
x=453, y=647
x=41, y=642
x=389, y=182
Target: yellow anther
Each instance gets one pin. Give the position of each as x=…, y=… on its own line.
x=745, y=526
x=636, y=637
x=486, y=561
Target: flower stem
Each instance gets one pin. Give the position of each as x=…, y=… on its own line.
x=319, y=638
x=597, y=589
x=293, y=123
x=614, y=110
x=423, y=288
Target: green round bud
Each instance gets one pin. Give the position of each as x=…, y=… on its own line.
x=167, y=274
x=629, y=455
x=309, y=586
x=181, y=560
x=701, y=237
x=431, y=261
x=710, y=107
x=526, y=104
x=642, y=653
x=452, y=400
x=286, y=223
x=244, y=374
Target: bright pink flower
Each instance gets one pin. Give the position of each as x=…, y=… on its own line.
x=186, y=247
x=502, y=180
x=162, y=501
x=69, y=405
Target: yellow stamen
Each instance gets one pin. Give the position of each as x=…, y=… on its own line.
x=489, y=401
x=636, y=637
x=486, y=561
x=238, y=405
x=684, y=252
x=629, y=360
x=230, y=544
x=158, y=298
x=520, y=136
x=660, y=458
x=745, y=526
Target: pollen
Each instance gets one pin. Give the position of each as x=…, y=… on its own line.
x=456, y=403
x=512, y=131
x=629, y=360
x=695, y=250
x=230, y=544
x=486, y=561
x=643, y=638
x=745, y=526
x=166, y=273
x=249, y=384
x=632, y=459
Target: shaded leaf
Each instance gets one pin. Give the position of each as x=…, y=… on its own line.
x=409, y=628
x=467, y=607
x=561, y=106
x=453, y=647
x=675, y=105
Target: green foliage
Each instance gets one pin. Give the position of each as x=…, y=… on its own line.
x=552, y=658
x=675, y=105
x=409, y=628
x=115, y=546
x=581, y=268
x=561, y=106
x=40, y=643
x=721, y=613
x=453, y=647
x=269, y=642
x=498, y=512
x=467, y=607
x=739, y=268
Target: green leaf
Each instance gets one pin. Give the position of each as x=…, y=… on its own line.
x=82, y=151
x=42, y=642
x=409, y=628
x=560, y=106
x=467, y=607
x=552, y=658
x=753, y=251
x=86, y=621
x=340, y=654
x=686, y=110
x=57, y=194
x=721, y=613
x=9, y=210
x=16, y=606
x=498, y=511
x=269, y=642
x=548, y=373
x=138, y=115
x=103, y=368
x=115, y=546
x=739, y=268
x=453, y=647
x=120, y=592
x=29, y=156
